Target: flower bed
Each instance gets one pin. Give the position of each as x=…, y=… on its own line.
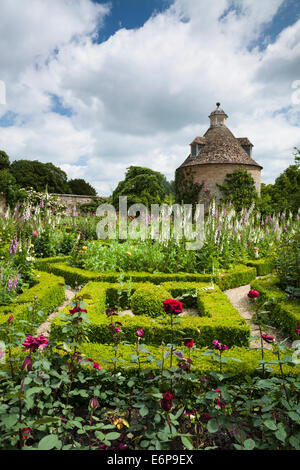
x=283, y=311
x=47, y=293
x=218, y=317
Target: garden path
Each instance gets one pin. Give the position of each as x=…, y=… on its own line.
x=239, y=299
x=44, y=328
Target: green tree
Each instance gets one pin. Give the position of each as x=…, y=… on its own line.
x=285, y=193
x=141, y=185
x=239, y=188
x=40, y=176
x=10, y=189
x=4, y=160
x=81, y=187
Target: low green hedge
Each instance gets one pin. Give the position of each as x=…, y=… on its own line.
x=219, y=320
x=148, y=300
x=41, y=264
x=283, y=311
x=263, y=266
x=240, y=275
x=247, y=364
x=47, y=293
x=235, y=277
x=241, y=364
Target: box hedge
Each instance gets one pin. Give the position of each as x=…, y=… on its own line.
x=219, y=320
x=283, y=311
x=244, y=363
x=235, y=277
x=47, y=293
x=263, y=266
x=148, y=300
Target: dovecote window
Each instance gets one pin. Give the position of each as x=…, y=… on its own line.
x=248, y=149
x=193, y=150
x=199, y=147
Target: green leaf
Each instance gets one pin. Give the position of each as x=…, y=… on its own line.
x=144, y=411
x=187, y=443
x=249, y=444
x=46, y=420
x=294, y=416
x=49, y=442
x=111, y=436
x=212, y=426
x=281, y=435
x=270, y=424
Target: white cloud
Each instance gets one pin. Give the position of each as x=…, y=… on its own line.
x=141, y=97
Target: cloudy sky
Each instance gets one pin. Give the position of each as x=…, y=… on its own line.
x=95, y=87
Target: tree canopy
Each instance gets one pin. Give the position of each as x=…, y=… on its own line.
x=141, y=185
x=239, y=188
x=284, y=194
x=40, y=176
x=81, y=187
x=4, y=160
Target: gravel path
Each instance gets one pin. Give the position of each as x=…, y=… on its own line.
x=44, y=328
x=239, y=299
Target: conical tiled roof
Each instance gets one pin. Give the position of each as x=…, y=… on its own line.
x=220, y=146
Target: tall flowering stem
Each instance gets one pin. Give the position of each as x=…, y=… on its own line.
x=220, y=348
x=171, y=307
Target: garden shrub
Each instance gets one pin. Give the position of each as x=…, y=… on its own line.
x=263, y=266
x=288, y=264
x=46, y=294
x=148, y=300
x=283, y=312
x=239, y=275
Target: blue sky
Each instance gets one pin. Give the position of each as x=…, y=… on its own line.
x=95, y=87
x=130, y=14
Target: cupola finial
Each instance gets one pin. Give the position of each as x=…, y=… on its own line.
x=218, y=117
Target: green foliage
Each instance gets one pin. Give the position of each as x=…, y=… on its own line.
x=10, y=189
x=281, y=310
x=218, y=318
x=238, y=275
x=40, y=176
x=262, y=266
x=186, y=190
x=45, y=295
x=239, y=188
x=288, y=264
x=81, y=187
x=61, y=401
x=284, y=195
x=91, y=207
x=141, y=185
x=148, y=300
x=4, y=161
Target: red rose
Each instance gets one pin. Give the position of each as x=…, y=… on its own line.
x=140, y=333
x=268, y=338
x=34, y=343
x=77, y=309
x=172, y=306
x=252, y=294
x=189, y=343
x=96, y=366
x=167, y=401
